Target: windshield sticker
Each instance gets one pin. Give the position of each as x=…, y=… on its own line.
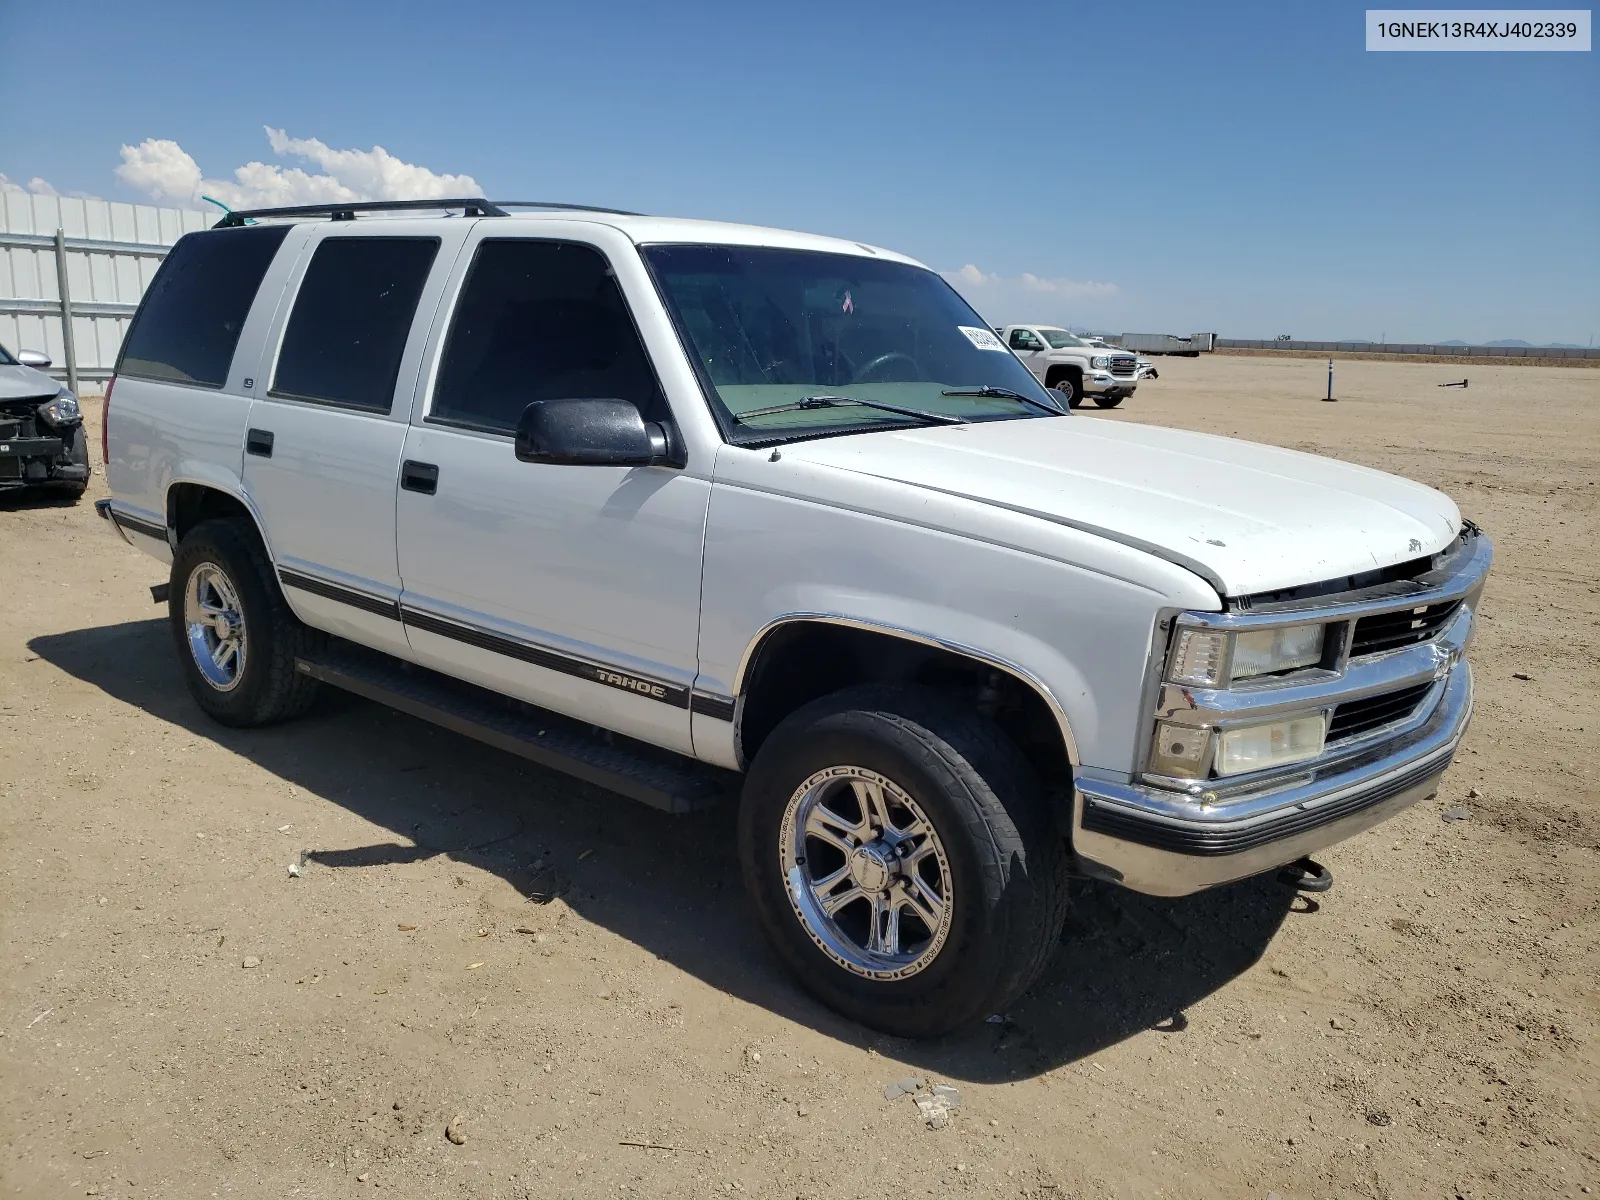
x=849, y=305
x=982, y=338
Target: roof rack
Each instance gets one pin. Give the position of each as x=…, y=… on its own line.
x=594, y=208
x=473, y=206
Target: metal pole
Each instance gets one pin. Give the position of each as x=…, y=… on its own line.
x=68, y=349
x=1329, y=396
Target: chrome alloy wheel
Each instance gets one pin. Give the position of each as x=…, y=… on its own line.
x=215, y=626
x=866, y=873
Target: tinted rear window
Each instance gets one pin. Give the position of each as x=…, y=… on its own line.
x=188, y=325
x=351, y=320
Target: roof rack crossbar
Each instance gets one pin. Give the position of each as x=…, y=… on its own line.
x=472, y=206
x=475, y=206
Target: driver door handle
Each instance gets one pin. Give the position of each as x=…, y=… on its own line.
x=419, y=477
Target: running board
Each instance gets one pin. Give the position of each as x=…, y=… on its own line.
x=620, y=764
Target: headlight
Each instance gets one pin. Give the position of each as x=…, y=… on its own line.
x=63, y=410
x=1271, y=744
x=1100, y=362
x=1215, y=658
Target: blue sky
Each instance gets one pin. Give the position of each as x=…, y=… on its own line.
x=1244, y=168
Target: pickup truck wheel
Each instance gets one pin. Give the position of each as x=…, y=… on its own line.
x=901, y=858
x=1065, y=388
x=237, y=641
x=1107, y=401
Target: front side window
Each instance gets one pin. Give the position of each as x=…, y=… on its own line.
x=189, y=322
x=5, y=358
x=1060, y=339
x=802, y=331
x=1025, y=339
x=539, y=320
x=351, y=319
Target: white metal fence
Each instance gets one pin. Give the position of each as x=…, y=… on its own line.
x=72, y=271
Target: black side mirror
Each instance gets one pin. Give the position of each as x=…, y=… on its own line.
x=603, y=433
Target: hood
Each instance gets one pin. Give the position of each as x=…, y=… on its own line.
x=1245, y=517
x=25, y=383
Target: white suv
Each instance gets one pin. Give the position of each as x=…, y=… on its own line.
x=667, y=503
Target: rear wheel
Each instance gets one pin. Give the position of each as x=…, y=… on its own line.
x=901, y=859
x=1107, y=401
x=236, y=639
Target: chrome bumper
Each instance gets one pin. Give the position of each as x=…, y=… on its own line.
x=1098, y=383
x=1132, y=835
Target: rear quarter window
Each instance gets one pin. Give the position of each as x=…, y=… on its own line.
x=188, y=325
x=351, y=320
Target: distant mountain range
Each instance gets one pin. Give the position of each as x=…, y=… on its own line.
x=1511, y=342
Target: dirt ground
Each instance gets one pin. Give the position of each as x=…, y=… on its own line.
x=180, y=1017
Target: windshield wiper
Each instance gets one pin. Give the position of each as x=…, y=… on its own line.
x=1003, y=394
x=810, y=402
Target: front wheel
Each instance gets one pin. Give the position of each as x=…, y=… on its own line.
x=1068, y=391
x=901, y=858
x=1107, y=401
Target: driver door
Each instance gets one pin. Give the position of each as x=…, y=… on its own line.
x=1031, y=348
x=576, y=588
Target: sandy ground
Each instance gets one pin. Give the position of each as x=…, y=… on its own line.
x=181, y=1018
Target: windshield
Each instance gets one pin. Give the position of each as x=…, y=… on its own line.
x=771, y=328
x=1060, y=339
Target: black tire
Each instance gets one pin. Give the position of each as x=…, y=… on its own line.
x=1107, y=401
x=1007, y=860
x=267, y=688
x=1067, y=389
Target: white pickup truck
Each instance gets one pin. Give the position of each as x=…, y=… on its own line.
x=684, y=508
x=1072, y=366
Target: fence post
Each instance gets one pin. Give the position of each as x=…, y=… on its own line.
x=66, y=312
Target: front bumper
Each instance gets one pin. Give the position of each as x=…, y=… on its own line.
x=1101, y=383
x=1171, y=837
x=31, y=461
x=1148, y=840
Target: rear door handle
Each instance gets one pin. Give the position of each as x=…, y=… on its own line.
x=419, y=477
x=258, y=442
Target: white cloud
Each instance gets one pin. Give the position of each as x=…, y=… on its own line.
x=972, y=276
x=975, y=277
x=164, y=171
x=161, y=169
x=37, y=186
x=1030, y=297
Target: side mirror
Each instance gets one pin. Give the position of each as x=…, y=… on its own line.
x=32, y=358
x=596, y=433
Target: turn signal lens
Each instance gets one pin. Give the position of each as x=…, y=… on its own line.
x=1273, y=744
x=1181, y=751
x=1198, y=657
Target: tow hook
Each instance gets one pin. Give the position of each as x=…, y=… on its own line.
x=1306, y=875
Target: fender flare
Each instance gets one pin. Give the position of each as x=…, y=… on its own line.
x=1020, y=673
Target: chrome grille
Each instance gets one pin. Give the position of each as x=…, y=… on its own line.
x=1407, y=627
x=1123, y=364
x=1356, y=717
